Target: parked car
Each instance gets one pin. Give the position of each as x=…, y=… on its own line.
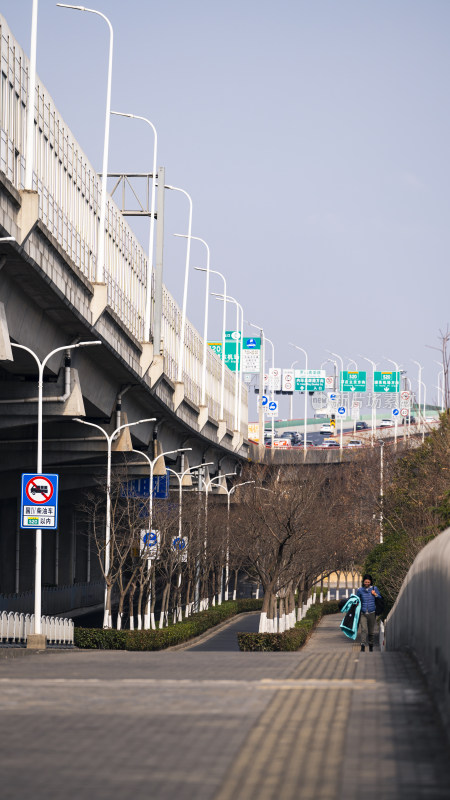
x=387, y=423
x=309, y=443
x=406, y=420
x=330, y=443
x=355, y=443
x=326, y=428
x=362, y=426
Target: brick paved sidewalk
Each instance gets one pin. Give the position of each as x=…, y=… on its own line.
x=325, y=723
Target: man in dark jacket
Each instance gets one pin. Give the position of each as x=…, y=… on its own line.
x=367, y=594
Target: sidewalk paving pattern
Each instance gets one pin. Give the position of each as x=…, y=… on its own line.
x=207, y=723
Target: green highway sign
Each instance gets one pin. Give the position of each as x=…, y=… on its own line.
x=312, y=380
x=353, y=381
x=386, y=382
x=251, y=349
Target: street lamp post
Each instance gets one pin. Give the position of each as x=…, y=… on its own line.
x=107, y=620
x=100, y=271
x=204, y=601
x=261, y=443
x=38, y=540
x=148, y=297
x=227, y=557
x=186, y=281
x=31, y=95
x=291, y=399
x=224, y=315
x=238, y=383
x=398, y=400
x=419, y=381
x=205, y=324
x=148, y=622
x=340, y=398
x=180, y=477
x=381, y=490
x=272, y=391
x=305, y=421
x=373, y=416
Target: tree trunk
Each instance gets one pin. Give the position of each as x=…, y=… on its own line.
x=236, y=573
x=131, y=605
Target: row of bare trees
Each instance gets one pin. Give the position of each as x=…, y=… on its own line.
x=285, y=529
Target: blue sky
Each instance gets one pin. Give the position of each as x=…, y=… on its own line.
x=313, y=138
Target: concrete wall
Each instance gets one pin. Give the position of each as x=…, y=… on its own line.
x=420, y=618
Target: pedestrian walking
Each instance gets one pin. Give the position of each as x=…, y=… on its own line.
x=368, y=594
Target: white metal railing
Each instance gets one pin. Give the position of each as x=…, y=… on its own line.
x=15, y=628
x=69, y=198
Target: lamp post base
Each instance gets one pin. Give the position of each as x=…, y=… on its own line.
x=36, y=641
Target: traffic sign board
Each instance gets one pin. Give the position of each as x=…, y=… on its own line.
x=329, y=381
x=273, y=407
x=264, y=400
x=353, y=381
x=395, y=412
x=311, y=380
x=150, y=543
x=39, y=501
x=342, y=411
x=179, y=545
x=404, y=412
x=386, y=382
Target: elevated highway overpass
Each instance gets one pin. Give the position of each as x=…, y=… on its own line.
x=50, y=297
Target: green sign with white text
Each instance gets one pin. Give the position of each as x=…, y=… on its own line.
x=386, y=382
x=312, y=380
x=353, y=381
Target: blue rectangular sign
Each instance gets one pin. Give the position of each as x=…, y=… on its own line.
x=140, y=487
x=39, y=501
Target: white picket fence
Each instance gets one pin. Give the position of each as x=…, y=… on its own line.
x=16, y=627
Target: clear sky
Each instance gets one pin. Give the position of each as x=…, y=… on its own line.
x=313, y=136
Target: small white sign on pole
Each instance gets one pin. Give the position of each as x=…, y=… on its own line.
x=288, y=380
x=275, y=379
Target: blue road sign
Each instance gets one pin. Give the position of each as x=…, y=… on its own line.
x=39, y=502
x=332, y=397
x=140, y=487
x=395, y=412
x=273, y=405
x=341, y=410
x=179, y=544
x=250, y=343
x=264, y=400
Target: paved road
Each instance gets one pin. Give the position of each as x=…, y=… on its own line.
x=325, y=723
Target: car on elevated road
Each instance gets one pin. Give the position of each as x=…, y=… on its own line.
x=387, y=423
x=355, y=443
x=362, y=426
x=329, y=443
x=326, y=428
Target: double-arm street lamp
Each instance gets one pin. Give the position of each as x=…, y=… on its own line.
x=340, y=397
x=305, y=421
x=38, y=549
x=151, y=462
x=107, y=621
x=224, y=316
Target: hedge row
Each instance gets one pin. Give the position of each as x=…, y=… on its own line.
x=111, y=639
x=292, y=639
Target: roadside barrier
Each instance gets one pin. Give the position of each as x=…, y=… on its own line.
x=14, y=628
